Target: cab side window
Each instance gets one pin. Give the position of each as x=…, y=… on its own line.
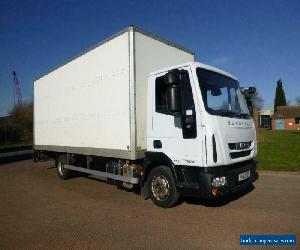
x=188, y=114
x=186, y=93
x=160, y=95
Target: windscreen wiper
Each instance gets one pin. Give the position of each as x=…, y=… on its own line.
x=243, y=115
x=228, y=113
x=233, y=114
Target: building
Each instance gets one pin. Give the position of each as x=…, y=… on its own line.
x=287, y=118
x=264, y=118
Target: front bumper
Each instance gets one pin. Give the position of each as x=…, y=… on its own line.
x=196, y=181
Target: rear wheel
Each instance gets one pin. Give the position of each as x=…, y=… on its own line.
x=161, y=186
x=62, y=172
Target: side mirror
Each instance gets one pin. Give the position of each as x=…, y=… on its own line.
x=249, y=90
x=248, y=94
x=173, y=93
x=172, y=77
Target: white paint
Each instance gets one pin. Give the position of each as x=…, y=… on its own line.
x=98, y=100
x=151, y=55
x=85, y=102
x=192, y=152
x=167, y=128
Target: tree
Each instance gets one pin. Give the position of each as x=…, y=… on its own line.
x=21, y=119
x=280, y=99
x=254, y=101
x=257, y=100
x=297, y=100
x=18, y=126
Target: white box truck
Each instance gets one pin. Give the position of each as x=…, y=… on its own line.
x=138, y=110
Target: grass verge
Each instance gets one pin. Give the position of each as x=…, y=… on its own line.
x=279, y=150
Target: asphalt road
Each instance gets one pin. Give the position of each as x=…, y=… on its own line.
x=39, y=210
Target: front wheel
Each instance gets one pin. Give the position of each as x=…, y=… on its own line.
x=161, y=186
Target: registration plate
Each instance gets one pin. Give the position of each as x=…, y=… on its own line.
x=244, y=176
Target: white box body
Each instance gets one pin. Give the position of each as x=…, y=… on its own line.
x=96, y=104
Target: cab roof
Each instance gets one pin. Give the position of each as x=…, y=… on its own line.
x=195, y=64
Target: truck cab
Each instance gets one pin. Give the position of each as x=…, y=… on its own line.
x=199, y=125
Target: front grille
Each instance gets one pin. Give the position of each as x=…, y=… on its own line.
x=239, y=145
x=234, y=155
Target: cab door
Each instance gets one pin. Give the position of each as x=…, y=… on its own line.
x=177, y=136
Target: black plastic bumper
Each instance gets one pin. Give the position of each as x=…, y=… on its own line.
x=196, y=181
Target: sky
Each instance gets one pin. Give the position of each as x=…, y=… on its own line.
x=256, y=41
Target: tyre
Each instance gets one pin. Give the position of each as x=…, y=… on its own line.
x=61, y=171
x=161, y=187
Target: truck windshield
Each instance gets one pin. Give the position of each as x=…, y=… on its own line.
x=221, y=95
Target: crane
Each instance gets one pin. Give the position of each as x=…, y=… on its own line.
x=18, y=91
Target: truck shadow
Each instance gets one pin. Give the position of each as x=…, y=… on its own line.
x=15, y=158
x=117, y=184
x=219, y=202
x=190, y=200
x=222, y=201
x=91, y=177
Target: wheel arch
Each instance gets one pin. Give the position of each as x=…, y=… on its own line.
x=155, y=159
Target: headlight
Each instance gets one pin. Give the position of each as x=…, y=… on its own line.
x=218, y=181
